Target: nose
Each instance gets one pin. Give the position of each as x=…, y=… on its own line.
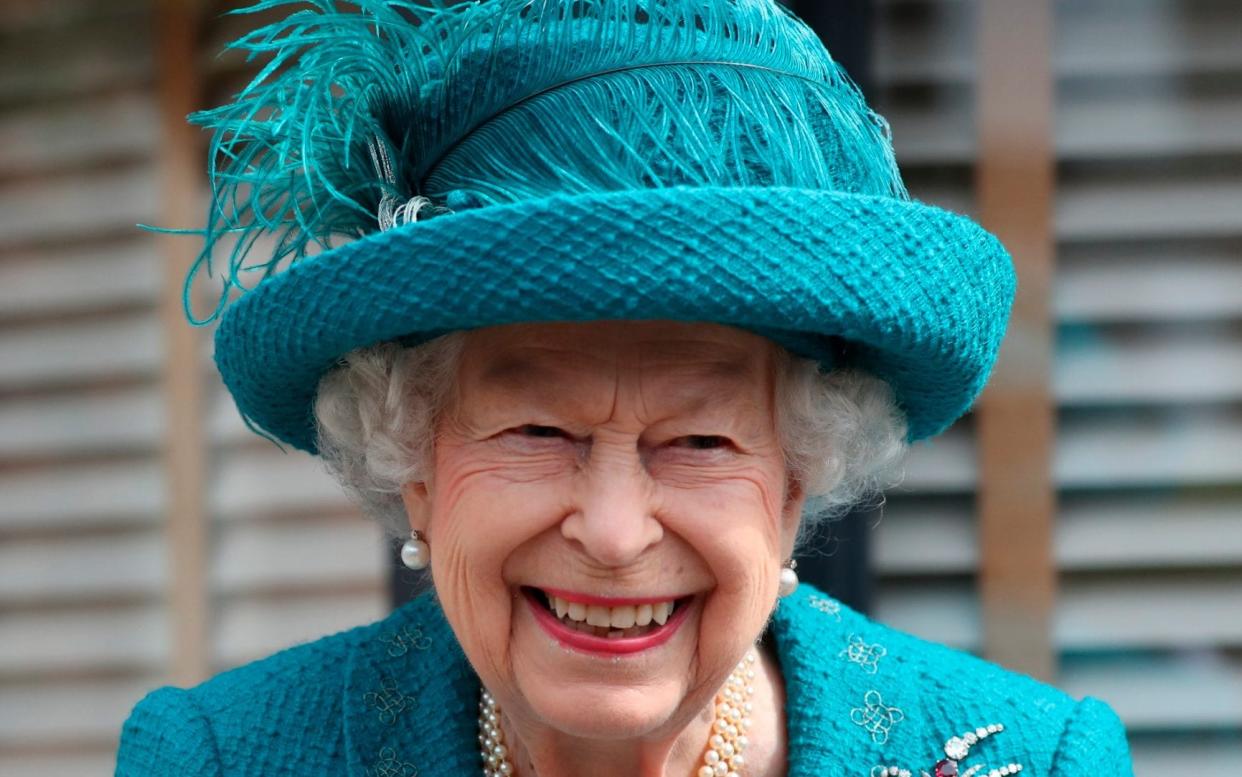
x=614, y=520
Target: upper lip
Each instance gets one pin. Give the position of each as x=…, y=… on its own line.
x=608, y=601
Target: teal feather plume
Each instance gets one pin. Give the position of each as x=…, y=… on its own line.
x=419, y=108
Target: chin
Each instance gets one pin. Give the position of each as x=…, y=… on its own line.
x=605, y=713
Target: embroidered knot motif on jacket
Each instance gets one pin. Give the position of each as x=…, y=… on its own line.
x=405, y=639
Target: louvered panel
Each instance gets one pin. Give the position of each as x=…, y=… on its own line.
x=1163, y=691
x=1183, y=610
x=264, y=480
x=69, y=498
x=1150, y=529
x=1214, y=753
x=1141, y=448
x=1103, y=531
x=309, y=554
x=81, y=641
x=59, y=137
x=117, y=347
x=1160, y=281
x=940, y=609
x=68, y=715
x=96, y=423
x=79, y=207
x=249, y=628
x=1149, y=295
x=78, y=279
x=1099, y=365
x=51, y=570
x=1144, y=38
x=60, y=765
x=917, y=535
x=66, y=50
x=1097, y=124
x=1122, y=204
x=922, y=43
x=84, y=631
x=944, y=464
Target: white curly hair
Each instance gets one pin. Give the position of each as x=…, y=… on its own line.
x=841, y=431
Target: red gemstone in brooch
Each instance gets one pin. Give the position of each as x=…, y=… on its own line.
x=956, y=750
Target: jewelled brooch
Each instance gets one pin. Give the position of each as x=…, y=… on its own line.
x=955, y=751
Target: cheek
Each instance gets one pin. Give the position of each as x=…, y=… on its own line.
x=735, y=526
x=480, y=518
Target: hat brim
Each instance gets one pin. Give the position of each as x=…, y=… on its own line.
x=920, y=295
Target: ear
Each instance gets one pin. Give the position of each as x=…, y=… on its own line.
x=417, y=501
x=791, y=515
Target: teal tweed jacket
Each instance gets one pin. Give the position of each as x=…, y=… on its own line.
x=397, y=698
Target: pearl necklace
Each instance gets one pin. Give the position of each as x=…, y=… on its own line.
x=723, y=757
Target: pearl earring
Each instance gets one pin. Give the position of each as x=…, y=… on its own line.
x=414, y=553
x=789, y=578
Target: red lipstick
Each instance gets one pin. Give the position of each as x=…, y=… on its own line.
x=589, y=643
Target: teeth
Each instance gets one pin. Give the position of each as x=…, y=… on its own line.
x=660, y=611
x=623, y=617
x=597, y=615
x=618, y=620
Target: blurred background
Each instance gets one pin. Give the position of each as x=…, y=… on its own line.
x=1083, y=525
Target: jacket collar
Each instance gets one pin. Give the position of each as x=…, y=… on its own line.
x=411, y=697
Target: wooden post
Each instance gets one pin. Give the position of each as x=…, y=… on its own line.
x=184, y=441
x=1016, y=418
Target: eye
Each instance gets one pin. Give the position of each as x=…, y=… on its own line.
x=703, y=442
x=539, y=431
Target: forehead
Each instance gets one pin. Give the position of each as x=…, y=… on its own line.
x=670, y=360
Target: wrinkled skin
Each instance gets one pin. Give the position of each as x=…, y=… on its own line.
x=617, y=459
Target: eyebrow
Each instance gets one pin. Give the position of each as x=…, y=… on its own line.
x=518, y=372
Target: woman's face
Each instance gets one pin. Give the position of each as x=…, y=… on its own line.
x=628, y=464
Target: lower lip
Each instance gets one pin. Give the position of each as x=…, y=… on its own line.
x=589, y=643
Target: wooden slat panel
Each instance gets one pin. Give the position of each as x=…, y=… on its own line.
x=58, y=765
x=1099, y=365
x=323, y=553
x=1142, y=449
x=1108, y=531
x=944, y=611
x=945, y=464
x=79, y=278
x=121, y=126
x=1144, y=38
x=69, y=498
x=81, y=640
x=1184, y=611
x=65, y=568
x=264, y=480
x=1165, y=692
x=249, y=628
x=109, y=421
x=1183, y=282
x=1127, y=205
x=1213, y=753
x=1146, y=529
x=61, y=714
x=124, y=346
x=79, y=207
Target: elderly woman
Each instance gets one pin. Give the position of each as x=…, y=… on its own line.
x=632, y=296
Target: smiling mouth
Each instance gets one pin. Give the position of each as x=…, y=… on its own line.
x=616, y=622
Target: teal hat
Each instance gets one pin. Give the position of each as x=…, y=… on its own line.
x=399, y=169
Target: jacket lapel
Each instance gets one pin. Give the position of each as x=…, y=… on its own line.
x=411, y=699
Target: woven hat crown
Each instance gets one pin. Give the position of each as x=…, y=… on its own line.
x=369, y=114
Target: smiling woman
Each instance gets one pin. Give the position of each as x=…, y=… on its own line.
x=606, y=490
x=631, y=296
